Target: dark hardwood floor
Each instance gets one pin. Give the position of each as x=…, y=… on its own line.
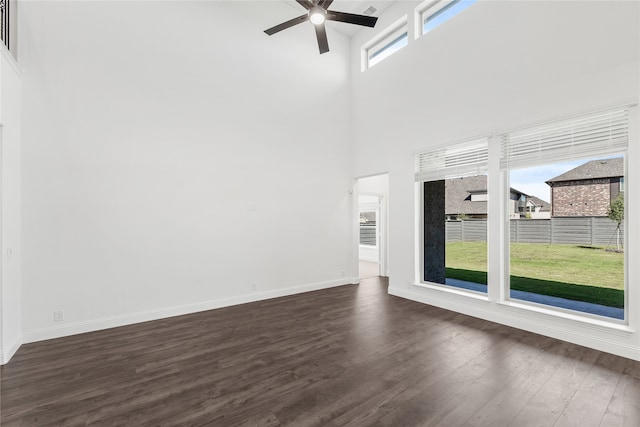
x=347, y=356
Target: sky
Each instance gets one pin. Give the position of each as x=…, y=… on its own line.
x=531, y=181
x=446, y=13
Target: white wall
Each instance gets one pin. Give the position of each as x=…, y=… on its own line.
x=496, y=66
x=10, y=241
x=150, y=128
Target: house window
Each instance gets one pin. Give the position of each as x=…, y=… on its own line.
x=481, y=197
x=433, y=13
x=621, y=188
x=454, y=226
x=574, y=260
x=386, y=44
x=368, y=228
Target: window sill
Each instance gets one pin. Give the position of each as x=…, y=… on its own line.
x=616, y=325
x=454, y=291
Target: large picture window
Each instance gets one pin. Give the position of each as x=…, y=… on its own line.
x=454, y=212
x=566, y=221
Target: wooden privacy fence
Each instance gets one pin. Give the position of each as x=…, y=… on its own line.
x=599, y=231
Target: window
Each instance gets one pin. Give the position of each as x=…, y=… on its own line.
x=479, y=197
x=386, y=44
x=368, y=227
x=571, y=257
x=434, y=13
x=454, y=226
x=621, y=188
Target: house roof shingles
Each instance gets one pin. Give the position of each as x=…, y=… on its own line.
x=459, y=190
x=604, y=168
x=544, y=206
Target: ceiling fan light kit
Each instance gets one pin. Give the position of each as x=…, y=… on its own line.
x=317, y=13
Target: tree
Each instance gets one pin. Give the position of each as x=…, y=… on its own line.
x=616, y=213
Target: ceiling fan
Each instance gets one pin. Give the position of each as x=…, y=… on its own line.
x=318, y=13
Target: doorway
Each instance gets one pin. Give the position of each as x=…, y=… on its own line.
x=372, y=225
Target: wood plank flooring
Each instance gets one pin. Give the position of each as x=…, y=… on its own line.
x=347, y=356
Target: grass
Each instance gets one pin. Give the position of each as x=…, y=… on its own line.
x=581, y=273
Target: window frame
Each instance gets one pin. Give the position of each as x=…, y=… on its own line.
x=370, y=207
x=572, y=151
x=442, y=153
x=385, y=40
x=430, y=8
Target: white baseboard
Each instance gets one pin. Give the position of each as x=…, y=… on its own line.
x=129, y=319
x=7, y=354
x=615, y=339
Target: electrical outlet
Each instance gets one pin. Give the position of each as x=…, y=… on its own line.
x=251, y=207
x=254, y=286
x=58, y=316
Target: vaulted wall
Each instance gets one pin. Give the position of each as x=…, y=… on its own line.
x=178, y=159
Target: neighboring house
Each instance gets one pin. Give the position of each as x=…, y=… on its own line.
x=467, y=197
x=537, y=208
x=587, y=190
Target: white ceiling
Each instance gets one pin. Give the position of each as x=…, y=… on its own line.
x=349, y=6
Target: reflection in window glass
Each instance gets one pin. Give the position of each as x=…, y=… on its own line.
x=455, y=232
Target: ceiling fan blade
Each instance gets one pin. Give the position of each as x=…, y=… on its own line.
x=290, y=23
x=325, y=4
x=321, y=35
x=305, y=3
x=350, y=18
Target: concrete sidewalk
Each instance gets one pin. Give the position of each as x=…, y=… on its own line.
x=585, y=307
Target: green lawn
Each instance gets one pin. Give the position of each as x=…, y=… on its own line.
x=589, y=274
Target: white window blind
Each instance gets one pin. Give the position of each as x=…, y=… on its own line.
x=467, y=159
x=590, y=135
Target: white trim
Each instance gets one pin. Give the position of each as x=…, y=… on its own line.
x=10, y=59
x=467, y=293
x=5, y=356
x=428, y=6
x=394, y=30
x=632, y=228
x=601, y=336
x=567, y=313
x=427, y=9
x=129, y=319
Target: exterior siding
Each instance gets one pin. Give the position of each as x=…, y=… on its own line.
x=590, y=197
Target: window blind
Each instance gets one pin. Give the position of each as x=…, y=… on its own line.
x=467, y=159
x=590, y=135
